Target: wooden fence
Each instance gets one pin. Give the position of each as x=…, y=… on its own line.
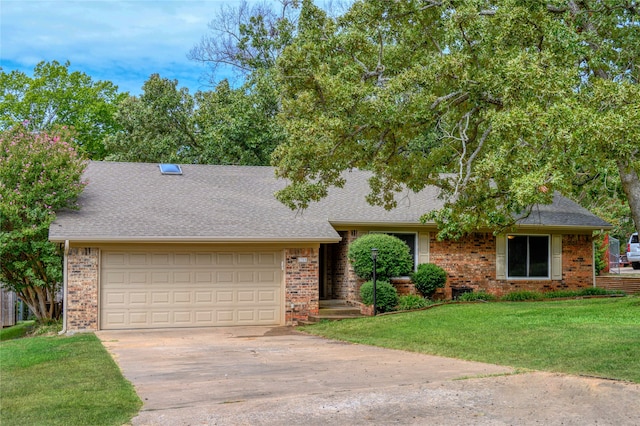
x=630, y=285
x=7, y=308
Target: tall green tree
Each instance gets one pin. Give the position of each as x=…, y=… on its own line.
x=239, y=126
x=157, y=126
x=55, y=96
x=222, y=126
x=499, y=103
x=40, y=173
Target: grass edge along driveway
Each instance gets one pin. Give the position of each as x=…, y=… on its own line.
x=63, y=380
x=592, y=337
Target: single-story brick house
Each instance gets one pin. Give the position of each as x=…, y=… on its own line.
x=211, y=246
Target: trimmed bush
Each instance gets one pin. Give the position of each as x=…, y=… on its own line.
x=522, y=296
x=412, y=301
x=588, y=291
x=597, y=291
x=394, y=257
x=428, y=278
x=386, y=295
x=475, y=296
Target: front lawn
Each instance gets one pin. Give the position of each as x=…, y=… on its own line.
x=598, y=337
x=62, y=381
x=21, y=329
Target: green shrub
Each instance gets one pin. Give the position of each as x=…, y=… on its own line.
x=476, y=295
x=597, y=291
x=556, y=294
x=394, y=258
x=521, y=296
x=428, y=278
x=386, y=295
x=412, y=301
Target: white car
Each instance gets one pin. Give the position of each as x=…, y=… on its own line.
x=633, y=251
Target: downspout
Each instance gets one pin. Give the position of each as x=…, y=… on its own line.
x=593, y=258
x=65, y=290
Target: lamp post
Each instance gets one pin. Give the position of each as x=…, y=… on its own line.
x=374, y=257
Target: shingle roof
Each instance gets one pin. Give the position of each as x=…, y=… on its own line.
x=135, y=202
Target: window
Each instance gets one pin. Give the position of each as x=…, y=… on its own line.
x=528, y=256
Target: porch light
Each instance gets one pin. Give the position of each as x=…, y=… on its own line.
x=374, y=257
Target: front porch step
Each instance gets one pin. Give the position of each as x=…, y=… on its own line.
x=335, y=310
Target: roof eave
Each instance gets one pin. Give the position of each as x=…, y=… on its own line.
x=566, y=227
x=149, y=239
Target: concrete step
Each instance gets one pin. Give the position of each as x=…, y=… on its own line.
x=335, y=310
x=347, y=310
x=318, y=318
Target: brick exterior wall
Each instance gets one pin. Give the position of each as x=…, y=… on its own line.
x=471, y=262
x=82, y=288
x=301, y=284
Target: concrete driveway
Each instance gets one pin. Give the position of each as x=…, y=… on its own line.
x=276, y=376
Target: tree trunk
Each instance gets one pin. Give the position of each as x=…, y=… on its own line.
x=41, y=301
x=631, y=187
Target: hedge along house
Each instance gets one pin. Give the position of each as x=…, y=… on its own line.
x=199, y=245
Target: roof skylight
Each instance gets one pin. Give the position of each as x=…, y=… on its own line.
x=170, y=169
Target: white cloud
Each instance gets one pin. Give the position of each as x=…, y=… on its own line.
x=120, y=41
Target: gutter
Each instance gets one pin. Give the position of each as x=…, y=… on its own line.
x=65, y=289
x=224, y=239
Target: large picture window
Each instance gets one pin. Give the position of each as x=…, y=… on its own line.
x=528, y=256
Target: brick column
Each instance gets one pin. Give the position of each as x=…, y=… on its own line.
x=301, y=284
x=82, y=289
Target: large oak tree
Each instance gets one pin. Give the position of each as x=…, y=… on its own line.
x=499, y=103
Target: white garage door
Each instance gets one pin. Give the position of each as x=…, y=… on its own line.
x=190, y=289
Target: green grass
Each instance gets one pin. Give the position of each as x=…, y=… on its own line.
x=62, y=381
x=21, y=329
x=596, y=337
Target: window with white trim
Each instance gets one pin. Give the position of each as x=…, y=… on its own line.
x=528, y=256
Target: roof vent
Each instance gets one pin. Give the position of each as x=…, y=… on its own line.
x=170, y=169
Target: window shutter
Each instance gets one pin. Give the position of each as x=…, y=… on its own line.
x=556, y=257
x=501, y=257
x=424, y=239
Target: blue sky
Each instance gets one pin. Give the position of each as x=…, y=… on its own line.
x=120, y=41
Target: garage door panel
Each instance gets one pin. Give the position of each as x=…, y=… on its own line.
x=267, y=296
x=138, y=259
x=224, y=259
x=266, y=315
x=158, y=297
x=247, y=296
x=224, y=277
x=203, y=277
x=182, y=277
x=138, y=277
x=160, y=277
x=204, y=297
x=137, y=298
x=246, y=316
x=179, y=289
x=266, y=276
x=246, y=277
x=140, y=318
x=181, y=259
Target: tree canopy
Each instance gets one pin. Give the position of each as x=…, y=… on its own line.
x=222, y=126
x=54, y=96
x=499, y=103
x=39, y=174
